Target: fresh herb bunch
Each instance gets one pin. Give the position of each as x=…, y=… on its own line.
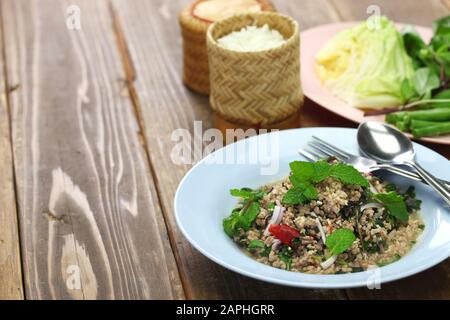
x=429, y=87
x=243, y=216
x=305, y=174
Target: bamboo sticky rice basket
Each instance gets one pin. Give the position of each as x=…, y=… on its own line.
x=195, y=55
x=256, y=89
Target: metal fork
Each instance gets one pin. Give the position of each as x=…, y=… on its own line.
x=362, y=164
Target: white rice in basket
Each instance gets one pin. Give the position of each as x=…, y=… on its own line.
x=251, y=39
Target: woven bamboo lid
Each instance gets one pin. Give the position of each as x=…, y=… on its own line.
x=255, y=88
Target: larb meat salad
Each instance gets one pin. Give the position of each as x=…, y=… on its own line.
x=325, y=218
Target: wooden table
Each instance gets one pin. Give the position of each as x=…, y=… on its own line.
x=86, y=181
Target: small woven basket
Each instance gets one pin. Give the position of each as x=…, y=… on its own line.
x=195, y=55
x=256, y=89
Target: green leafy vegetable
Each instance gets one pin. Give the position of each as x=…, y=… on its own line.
x=304, y=174
x=411, y=202
x=256, y=244
x=301, y=191
x=249, y=215
x=243, y=217
x=365, y=66
x=394, y=204
x=285, y=255
x=340, y=240
x=348, y=175
x=424, y=81
x=231, y=223
x=429, y=87
x=247, y=193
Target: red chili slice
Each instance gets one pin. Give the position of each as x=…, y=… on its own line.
x=283, y=232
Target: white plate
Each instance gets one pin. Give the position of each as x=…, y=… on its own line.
x=312, y=40
x=203, y=200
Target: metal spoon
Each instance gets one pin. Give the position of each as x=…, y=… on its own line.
x=386, y=144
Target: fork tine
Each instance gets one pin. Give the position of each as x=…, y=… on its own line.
x=326, y=151
x=332, y=147
x=317, y=153
x=307, y=155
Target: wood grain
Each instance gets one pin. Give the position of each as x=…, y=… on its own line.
x=10, y=265
x=433, y=283
x=165, y=105
x=91, y=227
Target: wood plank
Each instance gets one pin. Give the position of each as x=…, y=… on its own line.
x=10, y=265
x=91, y=225
x=152, y=36
x=433, y=283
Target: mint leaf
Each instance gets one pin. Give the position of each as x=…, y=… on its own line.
x=319, y=171
x=293, y=196
x=322, y=171
x=247, y=193
x=299, y=193
x=256, y=244
x=310, y=171
x=339, y=241
x=302, y=169
x=394, y=204
x=230, y=223
x=241, y=218
x=348, y=175
x=248, y=216
x=306, y=173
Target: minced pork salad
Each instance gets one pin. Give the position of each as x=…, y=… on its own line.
x=325, y=218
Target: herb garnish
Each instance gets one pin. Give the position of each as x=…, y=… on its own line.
x=247, y=193
x=339, y=241
x=304, y=174
x=243, y=217
x=411, y=202
x=394, y=204
x=271, y=206
x=256, y=244
x=285, y=255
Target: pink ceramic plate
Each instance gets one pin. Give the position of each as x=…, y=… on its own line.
x=312, y=41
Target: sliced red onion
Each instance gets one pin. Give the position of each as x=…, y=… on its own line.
x=329, y=262
x=276, y=218
x=371, y=205
x=373, y=189
x=275, y=244
x=322, y=232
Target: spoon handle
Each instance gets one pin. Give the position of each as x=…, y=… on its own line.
x=431, y=180
x=406, y=173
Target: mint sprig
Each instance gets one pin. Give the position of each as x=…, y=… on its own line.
x=247, y=193
x=304, y=174
x=394, y=204
x=340, y=240
x=243, y=217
